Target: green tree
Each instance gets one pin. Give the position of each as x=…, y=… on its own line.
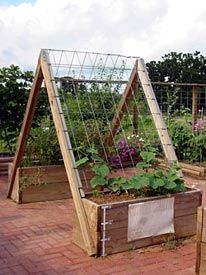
x=14, y=91
x=179, y=67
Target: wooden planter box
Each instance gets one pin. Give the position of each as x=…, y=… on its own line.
x=188, y=169
x=44, y=183
x=109, y=222
x=5, y=160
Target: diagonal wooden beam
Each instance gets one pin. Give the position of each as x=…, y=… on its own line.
x=26, y=126
x=66, y=150
x=156, y=113
x=129, y=89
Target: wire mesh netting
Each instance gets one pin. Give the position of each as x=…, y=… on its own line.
x=184, y=110
x=90, y=86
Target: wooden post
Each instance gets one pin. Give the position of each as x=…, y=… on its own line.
x=199, y=238
x=195, y=93
x=156, y=113
x=26, y=126
x=129, y=90
x=67, y=153
x=135, y=119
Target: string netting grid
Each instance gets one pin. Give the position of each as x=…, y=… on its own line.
x=90, y=86
x=176, y=103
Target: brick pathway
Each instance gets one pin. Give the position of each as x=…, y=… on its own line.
x=36, y=239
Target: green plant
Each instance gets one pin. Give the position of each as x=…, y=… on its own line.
x=188, y=145
x=170, y=243
x=42, y=146
x=14, y=91
x=156, y=182
x=26, y=181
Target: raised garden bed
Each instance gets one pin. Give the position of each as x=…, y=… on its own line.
x=188, y=169
x=5, y=160
x=112, y=224
x=44, y=183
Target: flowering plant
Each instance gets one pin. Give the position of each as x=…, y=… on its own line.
x=200, y=126
x=127, y=154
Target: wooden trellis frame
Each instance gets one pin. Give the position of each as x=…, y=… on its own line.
x=44, y=72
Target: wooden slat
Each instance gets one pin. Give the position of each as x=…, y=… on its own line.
x=203, y=235
x=46, y=192
x=6, y=159
x=65, y=146
x=27, y=122
x=156, y=113
x=129, y=89
x=93, y=214
x=202, y=269
x=199, y=239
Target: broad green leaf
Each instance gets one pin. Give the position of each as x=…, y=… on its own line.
x=127, y=185
x=98, y=181
x=96, y=158
x=92, y=151
x=101, y=170
x=147, y=156
x=81, y=161
x=143, y=165
x=115, y=188
x=140, y=181
x=157, y=183
x=170, y=185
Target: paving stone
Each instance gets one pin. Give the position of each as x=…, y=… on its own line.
x=35, y=238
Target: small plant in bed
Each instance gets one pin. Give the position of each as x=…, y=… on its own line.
x=150, y=182
x=125, y=154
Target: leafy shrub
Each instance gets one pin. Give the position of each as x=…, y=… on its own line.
x=188, y=145
x=42, y=146
x=14, y=91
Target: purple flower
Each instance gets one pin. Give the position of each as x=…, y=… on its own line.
x=122, y=144
x=200, y=126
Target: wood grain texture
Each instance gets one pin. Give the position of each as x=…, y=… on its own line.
x=67, y=154
x=46, y=183
x=128, y=92
x=199, y=238
x=185, y=218
x=26, y=126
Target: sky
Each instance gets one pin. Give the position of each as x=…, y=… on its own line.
x=146, y=28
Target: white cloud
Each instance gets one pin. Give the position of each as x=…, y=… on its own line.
x=144, y=28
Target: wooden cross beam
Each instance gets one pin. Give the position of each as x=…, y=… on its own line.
x=129, y=90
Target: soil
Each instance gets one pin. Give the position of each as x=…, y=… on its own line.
x=111, y=197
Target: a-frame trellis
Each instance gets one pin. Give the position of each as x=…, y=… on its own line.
x=44, y=72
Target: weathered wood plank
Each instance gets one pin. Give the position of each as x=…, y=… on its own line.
x=120, y=245
x=27, y=122
x=67, y=154
x=203, y=236
x=46, y=192
x=202, y=269
x=185, y=217
x=156, y=113
x=129, y=90
x=43, y=183
x=93, y=215
x=199, y=239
